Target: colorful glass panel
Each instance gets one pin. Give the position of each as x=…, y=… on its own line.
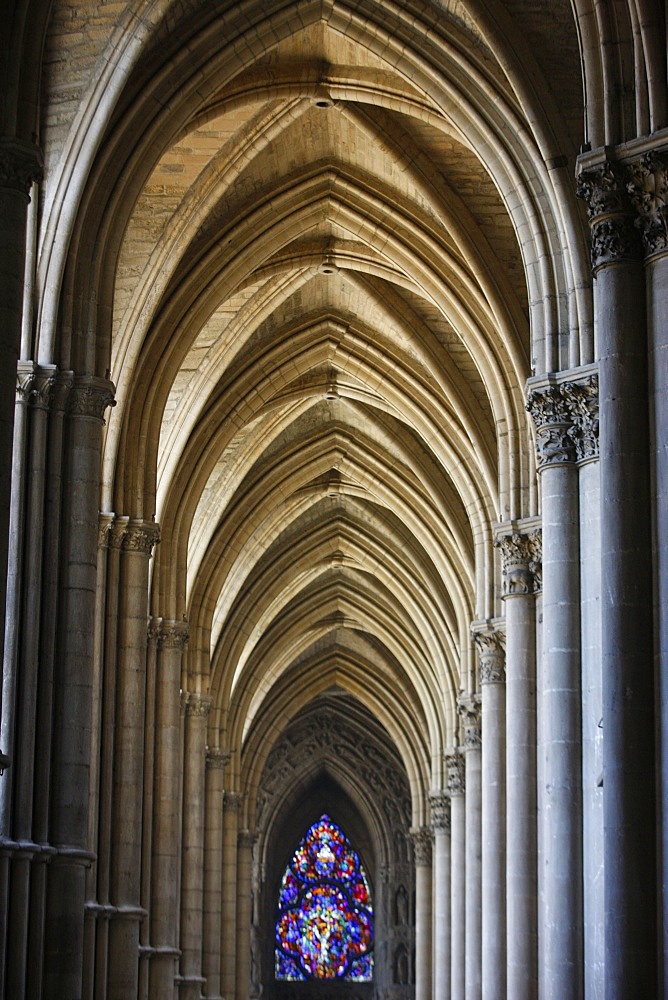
x=324, y=928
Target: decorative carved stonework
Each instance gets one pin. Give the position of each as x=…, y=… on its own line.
x=615, y=193
x=60, y=394
x=233, y=801
x=140, y=536
x=468, y=708
x=118, y=531
x=454, y=760
x=492, y=654
x=90, y=396
x=648, y=190
x=603, y=189
x=35, y=384
x=422, y=844
x=198, y=706
x=246, y=839
x=105, y=523
x=582, y=398
x=439, y=803
x=521, y=558
x=552, y=419
x=153, y=627
x=21, y=164
x=217, y=759
x=173, y=634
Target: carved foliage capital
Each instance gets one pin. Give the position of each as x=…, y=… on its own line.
x=647, y=186
x=422, y=839
x=140, y=536
x=566, y=419
x=521, y=557
x=198, y=706
x=35, y=385
x=173, y=634
x=233, y=801
x=603, y=189
x=217, y=758
x=439, y=803
x=90, y=396
x=582, y=399
x=21, y=164
x=492, y=654
x=468, y=708
x=454, y=760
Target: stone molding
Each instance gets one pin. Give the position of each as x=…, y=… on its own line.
x=217, y=759
x=439, y=804
x=90, y=396
x=468, y=709
x=21, y=164
x=565, y=413
x=454, y=760
x=491, y=644
x=521, y=561
x=198, y=706
x=422, y=840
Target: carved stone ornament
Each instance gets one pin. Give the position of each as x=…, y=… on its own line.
x=198, y=706
x=553, y=420
x=468, y=708
x=614, y=238
x=233, y=801
x=104, y=526
x=422, y=839
x=648, y=190
x=140, y=536
x=35, y=385
x=21, y=164
x=217, y=758
x=439, y=803
x=60, y=392
x=492, y=654
x=173, y=634
x=246, y=839
x=90, y=396
x=454, y=760
x=603, y=189
x=521, y=556
x=582, y=398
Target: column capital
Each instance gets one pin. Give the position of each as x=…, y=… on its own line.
x=246, y=838
x=614, y=237
x=172, y=634
x=198, y=705
x=217, y=758
x=648, y=191
x=104, y=526
x=21, y=164
x=564, y=408
x=90, y=396
x=490, y=640
x=422, y=839
x=468, y=708
x=521, y=557
x=233, y=801
x=139, y=535
x=454, y=761
x=35, y=384
x=439, y=803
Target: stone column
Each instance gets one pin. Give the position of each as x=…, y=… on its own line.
x=456, y=788
x=244, y=912
x=520, y=545
x=72, y=703
x=490, y=642
x=560, y=915
x=128, y=782
x=440, y=825
x=583, y=400
x=20, y=166
x=422, y=847
x=626, y=567
x=469, y=709
x=216, y=760
x=172, y=637
x=191, y=981
x=649, y=193
x=231, y=806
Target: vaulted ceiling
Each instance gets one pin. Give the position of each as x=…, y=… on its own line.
x=311, y=240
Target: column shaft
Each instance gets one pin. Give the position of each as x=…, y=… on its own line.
x=422, y=843
x=440, y=822
x=470, y=709
x=455, y=761
x=231, y=807
x=213, y=870
x=244, y=913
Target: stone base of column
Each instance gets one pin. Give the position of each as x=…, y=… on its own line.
x=190, y=987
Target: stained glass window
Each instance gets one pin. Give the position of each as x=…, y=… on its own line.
x=324, y=928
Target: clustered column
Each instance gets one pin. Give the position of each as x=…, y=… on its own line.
x=521, y=558
x=560, y=808
x=440, y=825
x=490, y=643
x=610, y=188
x=469, y=709
x=422, y=846
x=456, y=788
x=216, y=761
